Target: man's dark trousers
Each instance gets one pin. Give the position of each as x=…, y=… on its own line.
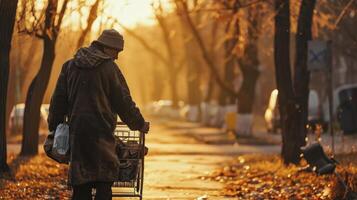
x=84, y=191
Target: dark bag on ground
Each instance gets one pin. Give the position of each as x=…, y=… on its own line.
x=129, y=156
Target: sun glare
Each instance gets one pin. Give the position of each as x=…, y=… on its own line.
x=131, y=12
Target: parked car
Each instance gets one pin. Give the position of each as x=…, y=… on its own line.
x=17, y=115
x=336, y=100
x=272, y=116
x=346, y=102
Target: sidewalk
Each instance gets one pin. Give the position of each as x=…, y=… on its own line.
x=217, y=136
x=271, y=141
x=343, y=143
x=178, y=160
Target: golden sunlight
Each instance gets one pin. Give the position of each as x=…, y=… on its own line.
x=131, y=12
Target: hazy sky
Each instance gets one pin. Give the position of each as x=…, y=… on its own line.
x=131, y=12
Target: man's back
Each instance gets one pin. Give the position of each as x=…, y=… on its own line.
x=91, y=91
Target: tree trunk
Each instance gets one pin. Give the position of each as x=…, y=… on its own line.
x=192, y=62
x=193, y=78
x=229, y=65
x=250, y=74
x=156, y=77
x=249, y=67
x=34, y=99
x=173, y=88
x=302, y=75
x=246, y=94
x=293, y=102
x=290, y=151
x=232, y=31
x=173, y=67
x=7, y=21
x=26, y=72
x=210, y=89
x=38, y=86
x=210, y=83
x=193, y=75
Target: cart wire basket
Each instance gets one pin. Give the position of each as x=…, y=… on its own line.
x=131, y=151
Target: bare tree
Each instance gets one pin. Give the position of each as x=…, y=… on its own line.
x=183, y=10
x=292, y=97
x=172, y=63
x=210, y=84
x=25, y=70
x=249, y=62
x=301, y=81
x=282, y=68
x=194, y=69
x=47, y=28
x=143, y=42
x=92, y=16
x=232, y=33
x=7, y=21
x=20, y=73
x=175, y=66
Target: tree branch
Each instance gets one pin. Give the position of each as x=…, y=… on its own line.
x=143, y=42
x=182, y=6
x=343, y=13
x=166, y=33
x=61, y=15
x=92, y=16
x=228, y=8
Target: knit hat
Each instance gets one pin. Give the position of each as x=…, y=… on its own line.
x=112, y=39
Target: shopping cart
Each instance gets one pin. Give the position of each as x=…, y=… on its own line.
x=131, y=151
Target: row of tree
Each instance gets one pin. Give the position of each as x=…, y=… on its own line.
x=243, y=25
x=242, y=29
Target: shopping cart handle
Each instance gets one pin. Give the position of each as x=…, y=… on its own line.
x=119, y=123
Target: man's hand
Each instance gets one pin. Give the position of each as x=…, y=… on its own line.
x=145, y=128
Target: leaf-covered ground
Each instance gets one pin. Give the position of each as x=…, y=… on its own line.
x=265, y=177
x=247, y=177
x=34, y=178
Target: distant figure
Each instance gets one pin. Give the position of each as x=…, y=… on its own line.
x=90, y=92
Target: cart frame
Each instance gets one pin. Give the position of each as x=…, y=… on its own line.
x=133, y=188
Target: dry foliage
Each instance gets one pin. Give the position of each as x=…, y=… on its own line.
x=348, y=174
x=265, y=177
x=34, y=178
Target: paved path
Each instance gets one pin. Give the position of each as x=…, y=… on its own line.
x=177, y=160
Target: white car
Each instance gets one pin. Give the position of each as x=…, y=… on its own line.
x=17, y=115
x=272, y=116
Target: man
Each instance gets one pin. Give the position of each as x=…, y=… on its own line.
x=90, y=92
